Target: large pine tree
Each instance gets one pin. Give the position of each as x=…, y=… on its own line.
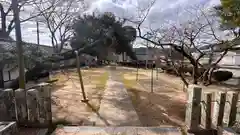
x=229, y=11
x=90, y=28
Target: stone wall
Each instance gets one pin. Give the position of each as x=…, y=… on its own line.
x=27, y=107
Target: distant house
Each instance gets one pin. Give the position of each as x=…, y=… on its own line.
x=152, y=54
x=10, y=70
x=231, y=58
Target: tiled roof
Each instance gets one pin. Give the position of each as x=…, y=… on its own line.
x=8, y=52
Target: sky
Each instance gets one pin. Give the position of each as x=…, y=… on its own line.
x=161, y=11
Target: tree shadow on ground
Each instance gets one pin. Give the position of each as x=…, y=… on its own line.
x=57, y=86
x=97, y=113
x=157, y=109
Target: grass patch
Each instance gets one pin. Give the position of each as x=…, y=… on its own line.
x=128, y=83
x=102, y=80
x=134, y=94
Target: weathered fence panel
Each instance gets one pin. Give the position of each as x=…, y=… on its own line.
x=227, y=108
x=194, y=109
x=44, y=100
x=32, y=105
x=7, y=105
x=206, y=110
x=215, y=107
x=221, y=109
x=27, y=107
x=21, y=106
x=233, y=113
x=211, y=109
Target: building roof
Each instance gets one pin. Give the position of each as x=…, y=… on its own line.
x=221, y=46
x=8, y=50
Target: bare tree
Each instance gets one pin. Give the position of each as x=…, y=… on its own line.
x=27, y=12
x=187, y=38
x=59, y=20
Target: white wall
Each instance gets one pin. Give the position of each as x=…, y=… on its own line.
x=13, y=74
x=229, y=59
x=237, y=58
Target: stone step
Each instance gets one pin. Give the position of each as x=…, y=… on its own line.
x=32, y=131
x=88, y=130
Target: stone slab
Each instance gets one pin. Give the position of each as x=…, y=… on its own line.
x=116, y=108
x=84, y=130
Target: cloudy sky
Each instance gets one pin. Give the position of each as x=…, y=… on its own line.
x=162, y=11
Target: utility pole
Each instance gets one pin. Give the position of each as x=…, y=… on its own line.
x=38, y=39
x=147, y=56
x=137, y=71
x=147, y=52
x=152, y=78
x=19, y=44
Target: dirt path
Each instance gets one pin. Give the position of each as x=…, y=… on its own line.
x=165, y=106
x=67, y=107
x=116, y=108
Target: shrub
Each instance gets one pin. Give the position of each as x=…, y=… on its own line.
x=222, y=75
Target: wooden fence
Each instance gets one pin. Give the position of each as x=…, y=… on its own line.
x=30, y=107
x=210, y=110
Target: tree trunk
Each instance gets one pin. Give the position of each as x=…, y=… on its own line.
x=210, y=76
x=3, y=18
x=1, y=78
x=195, y=74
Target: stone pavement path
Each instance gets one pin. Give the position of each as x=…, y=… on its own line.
x=118, y=131
x=116, y=107
x=116, y=115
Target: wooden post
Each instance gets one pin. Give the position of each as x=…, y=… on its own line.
x=238, y=109
x=20, y=106
x=156, y=73
x=227, y=108
x=234, y=113
x=216, y=106
x=193, y=110
x=237, y=115
x=80, y=77
x=206, y=109
x=44, y=101
x=221, y=109
x=33, y=106
x=7, y=110
x=152, y=79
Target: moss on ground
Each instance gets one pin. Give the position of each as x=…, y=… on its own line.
x=102, y=80
x=130, y=85
x=127, y=82
x=99, y=90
